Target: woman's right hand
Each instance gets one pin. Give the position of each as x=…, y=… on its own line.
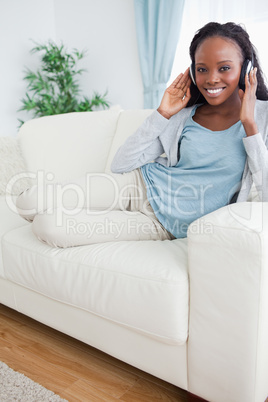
x=176, y=96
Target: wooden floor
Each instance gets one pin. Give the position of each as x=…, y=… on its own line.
x=74, y=370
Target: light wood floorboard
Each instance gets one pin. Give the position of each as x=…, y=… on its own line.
x=74, y=370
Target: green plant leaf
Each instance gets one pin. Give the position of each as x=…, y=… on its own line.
x=53, y=89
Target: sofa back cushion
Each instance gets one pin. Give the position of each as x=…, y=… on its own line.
x=68, y=145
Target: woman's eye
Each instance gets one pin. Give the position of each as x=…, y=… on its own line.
x=201, y=70
x=225, y=68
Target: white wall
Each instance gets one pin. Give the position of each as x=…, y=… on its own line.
x=106, y=28
x=19, y=21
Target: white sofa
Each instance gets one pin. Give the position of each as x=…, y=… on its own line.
x=193, y=312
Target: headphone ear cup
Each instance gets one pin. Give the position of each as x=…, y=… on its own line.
x=245, y=70
x=192, y=73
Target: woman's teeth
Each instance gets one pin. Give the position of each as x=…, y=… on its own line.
x=214, y=91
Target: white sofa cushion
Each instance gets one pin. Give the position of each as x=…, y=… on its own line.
x=142, y=285
x=12, y=164
x=68, y=145
x=9, y=220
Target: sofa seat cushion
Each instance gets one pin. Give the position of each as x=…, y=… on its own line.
x=142, y=285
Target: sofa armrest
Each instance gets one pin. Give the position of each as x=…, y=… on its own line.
x=228, y=328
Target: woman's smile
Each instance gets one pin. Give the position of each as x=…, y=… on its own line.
x=214, y=91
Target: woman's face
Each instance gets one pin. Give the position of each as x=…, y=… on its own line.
x=218, y=64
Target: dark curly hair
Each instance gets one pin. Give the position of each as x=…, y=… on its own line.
x=237, y=34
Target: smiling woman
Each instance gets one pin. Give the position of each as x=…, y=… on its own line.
x=225, y=68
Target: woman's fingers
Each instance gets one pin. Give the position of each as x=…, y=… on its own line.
x=253, y=77
x=182, y=80
x=251, y=80
x=187, y=96
x=248, y=100
x=185, y=79
x=177, y=80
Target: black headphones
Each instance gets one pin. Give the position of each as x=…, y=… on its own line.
x=246, y=68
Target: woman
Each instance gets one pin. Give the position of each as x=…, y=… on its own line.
x=214, y=136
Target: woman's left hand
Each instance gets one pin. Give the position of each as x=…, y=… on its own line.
x=248, y=100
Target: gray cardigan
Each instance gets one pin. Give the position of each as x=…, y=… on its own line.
x=158, y=136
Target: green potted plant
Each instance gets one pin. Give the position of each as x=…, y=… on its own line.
x=53, y=88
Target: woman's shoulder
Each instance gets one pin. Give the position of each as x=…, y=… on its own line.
x=261, y=110
x=261, y=116
x=261, y=105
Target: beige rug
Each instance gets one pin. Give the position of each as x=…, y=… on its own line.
x=15, y=386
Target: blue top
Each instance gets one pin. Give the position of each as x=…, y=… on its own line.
x=206, y=177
